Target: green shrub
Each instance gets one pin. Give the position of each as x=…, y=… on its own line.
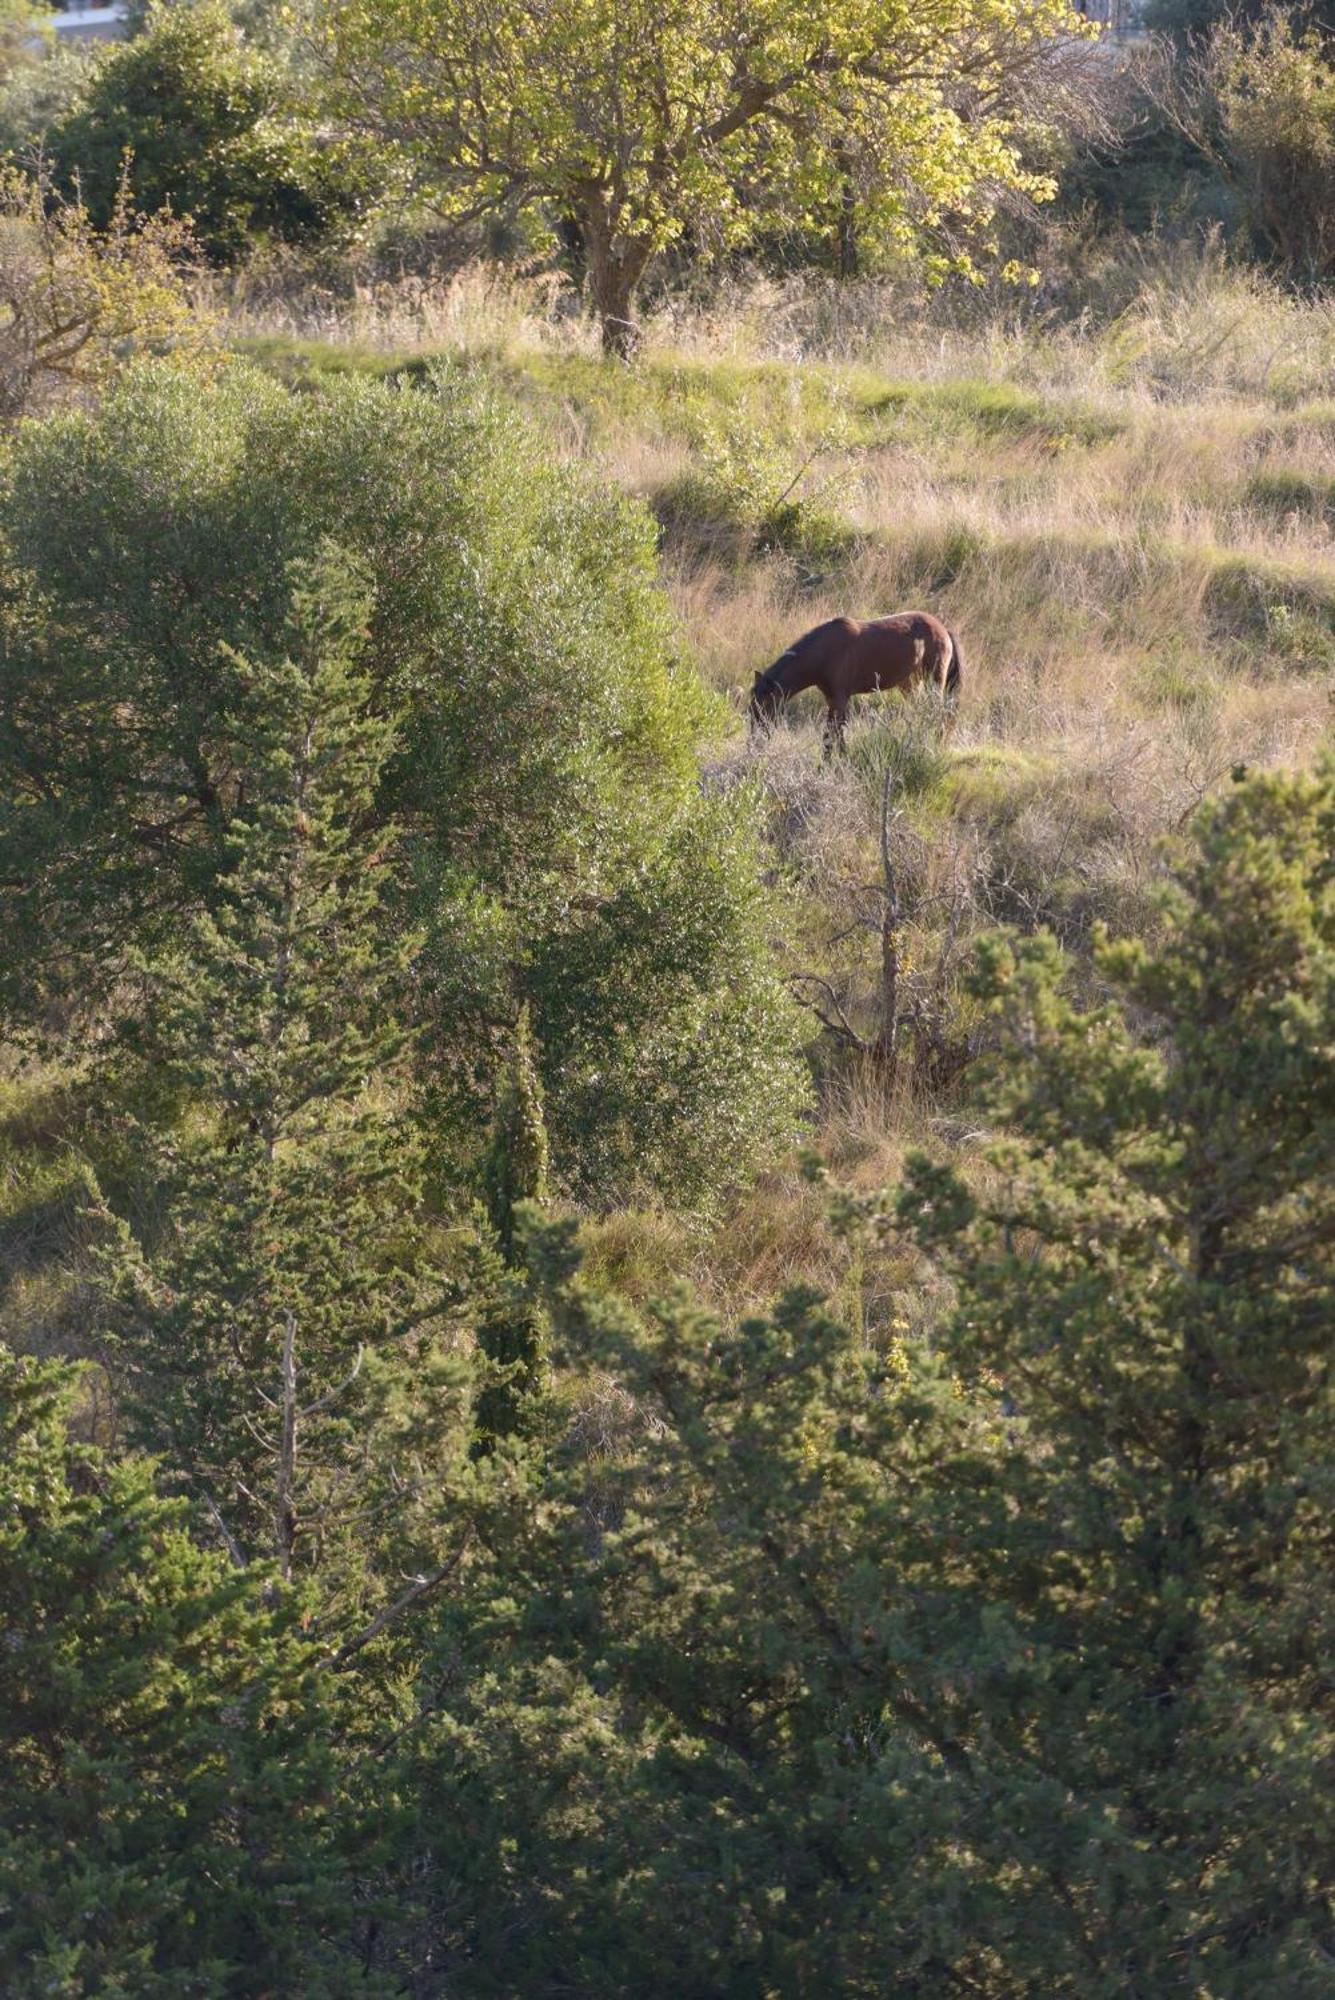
x=167, y=1739
x=193, y=118
x=741, y=498
x=546, y=731
x=1267, y=101
x=1172, y=680
x=907, y=744
x=671, y=1050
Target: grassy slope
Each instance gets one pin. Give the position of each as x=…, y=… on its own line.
x=1133, y=535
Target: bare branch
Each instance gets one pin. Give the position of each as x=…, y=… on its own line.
x=331, y=1395
x=415, y=1591
x=229, y=1541
x=840, y=1025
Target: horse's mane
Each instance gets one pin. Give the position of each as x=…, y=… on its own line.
x=796, y=652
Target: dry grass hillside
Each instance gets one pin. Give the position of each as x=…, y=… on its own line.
x=1131, y=526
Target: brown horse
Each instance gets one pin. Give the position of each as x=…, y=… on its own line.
x=845, y=656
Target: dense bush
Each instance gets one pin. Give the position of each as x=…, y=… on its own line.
x=191, y=117
x=169, y=1765
x=544, y=772
x=1273, y=97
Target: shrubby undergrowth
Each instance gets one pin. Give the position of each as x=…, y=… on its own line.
x=777, y=1655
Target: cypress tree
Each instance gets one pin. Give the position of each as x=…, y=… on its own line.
x=275, y=1334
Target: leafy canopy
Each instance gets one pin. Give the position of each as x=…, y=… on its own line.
x=697, y=119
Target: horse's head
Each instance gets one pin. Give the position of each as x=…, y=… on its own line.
x=766, y=697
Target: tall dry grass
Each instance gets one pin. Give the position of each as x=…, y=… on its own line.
x=1167, y=321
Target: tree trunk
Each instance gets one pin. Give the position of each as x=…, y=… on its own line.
x=285, y=1511
x=846, y=228
x=616, y=264
x=574, y=256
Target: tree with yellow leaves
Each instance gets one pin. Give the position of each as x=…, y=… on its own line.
x=648, y=120
x=75, y=298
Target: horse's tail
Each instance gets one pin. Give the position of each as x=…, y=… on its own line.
x=954, y=682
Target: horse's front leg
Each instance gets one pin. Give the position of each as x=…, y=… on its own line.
x=836, y=715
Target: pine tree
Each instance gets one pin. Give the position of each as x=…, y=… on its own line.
x=167, y=1825
x=277, y=1310
x=1145, y=1281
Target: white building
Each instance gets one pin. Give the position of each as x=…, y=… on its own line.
x=90, y=20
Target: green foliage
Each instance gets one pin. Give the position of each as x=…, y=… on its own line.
x=543, y=768
x=909, y=747
x=1276, y=606
x=709, y=120
x=167, y=1740
x=191, y=117
x=987, y=1663
x=275, y=1333
x=1291, y=490
x=516, y=1168
x=511, y=1325
x=1145, y=1279
x=670, y=1048
x=39, y=88
x=744, y=489
x=1261, y=106
x=22, y=32
x=1276, y=99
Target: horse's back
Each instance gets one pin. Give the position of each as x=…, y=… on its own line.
x=831, y=631
x=911, y=625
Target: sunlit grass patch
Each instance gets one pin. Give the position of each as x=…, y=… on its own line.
x=1291, y=489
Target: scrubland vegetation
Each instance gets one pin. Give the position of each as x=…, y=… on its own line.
x=636, y=1358
x=1112, y=517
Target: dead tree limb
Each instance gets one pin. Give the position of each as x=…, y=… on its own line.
x=418, y=1588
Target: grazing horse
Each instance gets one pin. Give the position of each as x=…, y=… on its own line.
x=845, y=656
